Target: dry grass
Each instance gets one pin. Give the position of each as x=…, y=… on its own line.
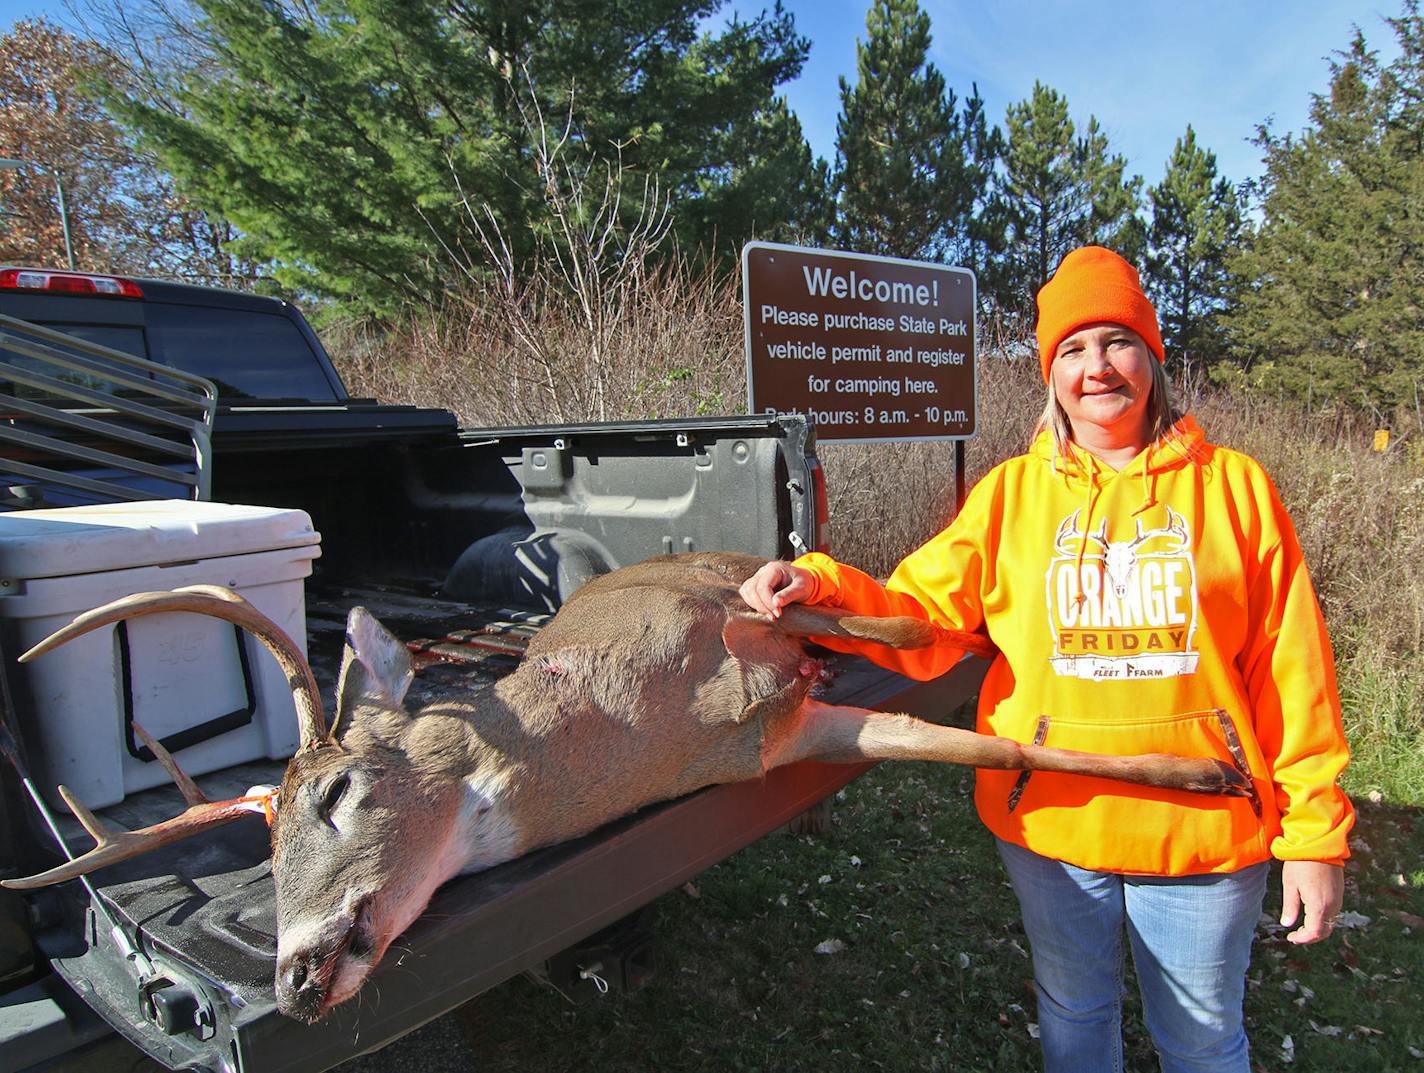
x=672, y=345
x=1360, y=518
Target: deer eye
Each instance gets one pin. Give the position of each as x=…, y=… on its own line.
x=332, y=797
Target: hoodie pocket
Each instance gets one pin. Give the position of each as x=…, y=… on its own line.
x=1111, y=825
x=1218, y=822
x=1040, y=735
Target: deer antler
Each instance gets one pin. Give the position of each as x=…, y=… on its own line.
x=220, y=603
x=113, y=846
x=186, y=786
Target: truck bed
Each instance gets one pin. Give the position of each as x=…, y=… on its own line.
x=202, y=911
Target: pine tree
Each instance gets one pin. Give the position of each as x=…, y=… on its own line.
x=772, y=189
x=361, y=146
x=977, y=236
x=1060, y=191
x=901, y=179
x=1334, y=276
x=1114, y=197
x=1197, y=222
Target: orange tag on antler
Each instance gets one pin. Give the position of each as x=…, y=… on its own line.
x=262, y=799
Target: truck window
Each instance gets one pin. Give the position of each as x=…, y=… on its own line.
x=247, y=353
x=125, y=337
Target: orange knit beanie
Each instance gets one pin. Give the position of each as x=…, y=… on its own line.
x=1093, y=284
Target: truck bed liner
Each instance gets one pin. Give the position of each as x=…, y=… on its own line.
x=203, y=910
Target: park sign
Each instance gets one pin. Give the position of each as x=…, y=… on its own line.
x=871, y=348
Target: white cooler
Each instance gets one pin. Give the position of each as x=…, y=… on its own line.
x=214, y=696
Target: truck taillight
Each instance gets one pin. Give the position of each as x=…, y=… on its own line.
x=34, y=279
x=823, y=506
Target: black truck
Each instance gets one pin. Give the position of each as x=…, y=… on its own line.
x=462, y=541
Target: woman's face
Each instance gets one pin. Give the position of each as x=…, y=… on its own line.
x=1102, y=376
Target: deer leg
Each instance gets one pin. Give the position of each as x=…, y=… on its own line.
x=846, y=735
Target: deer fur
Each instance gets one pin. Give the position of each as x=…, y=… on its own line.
x=651, y=682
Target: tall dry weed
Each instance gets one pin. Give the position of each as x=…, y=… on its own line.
x=673, y=349
x=678, y=351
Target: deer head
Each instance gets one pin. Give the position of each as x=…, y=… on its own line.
x=349, y=873
x=372, y=821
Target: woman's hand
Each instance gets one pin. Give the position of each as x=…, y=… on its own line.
x=1317, y=886
x=775, y=585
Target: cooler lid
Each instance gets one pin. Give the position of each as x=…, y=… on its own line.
x=90, y=539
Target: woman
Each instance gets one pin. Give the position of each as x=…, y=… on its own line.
x=1147, y=594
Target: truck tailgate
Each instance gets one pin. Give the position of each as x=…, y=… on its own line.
x=202, y=912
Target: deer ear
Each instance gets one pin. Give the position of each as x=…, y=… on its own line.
x=375, y=667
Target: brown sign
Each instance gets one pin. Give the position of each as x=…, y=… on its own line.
x=872, y=348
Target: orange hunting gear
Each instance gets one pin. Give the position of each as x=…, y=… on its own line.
x=1093, y=285
x=1163, y=608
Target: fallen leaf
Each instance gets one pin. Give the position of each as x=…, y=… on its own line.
x=690, y=889
x=1366, y=1030
x=830, y=946
x=1326, y=1030
x=1409, y=920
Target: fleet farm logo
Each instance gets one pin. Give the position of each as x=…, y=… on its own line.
x=1123, y=608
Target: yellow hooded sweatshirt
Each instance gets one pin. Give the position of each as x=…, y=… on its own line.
x=1161, y=608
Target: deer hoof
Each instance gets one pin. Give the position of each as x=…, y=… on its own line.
x=1220, y=778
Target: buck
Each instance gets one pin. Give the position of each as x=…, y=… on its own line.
x=651, y=681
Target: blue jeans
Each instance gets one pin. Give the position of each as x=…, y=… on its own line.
x=1191, y=945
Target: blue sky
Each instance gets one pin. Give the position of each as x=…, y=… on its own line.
x=1145, y=68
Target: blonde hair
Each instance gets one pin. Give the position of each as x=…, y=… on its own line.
x=1162, y=413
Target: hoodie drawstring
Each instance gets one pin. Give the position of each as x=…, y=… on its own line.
x=1149, y=487
x=1092, y=492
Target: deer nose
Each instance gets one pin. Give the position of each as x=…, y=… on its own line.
x=296, y=975
x=299, y=992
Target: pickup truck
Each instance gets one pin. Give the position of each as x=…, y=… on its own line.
x=426, y=523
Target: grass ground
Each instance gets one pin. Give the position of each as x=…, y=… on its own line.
x=932, y=971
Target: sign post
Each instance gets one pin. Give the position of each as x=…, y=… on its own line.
x=871, y=348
